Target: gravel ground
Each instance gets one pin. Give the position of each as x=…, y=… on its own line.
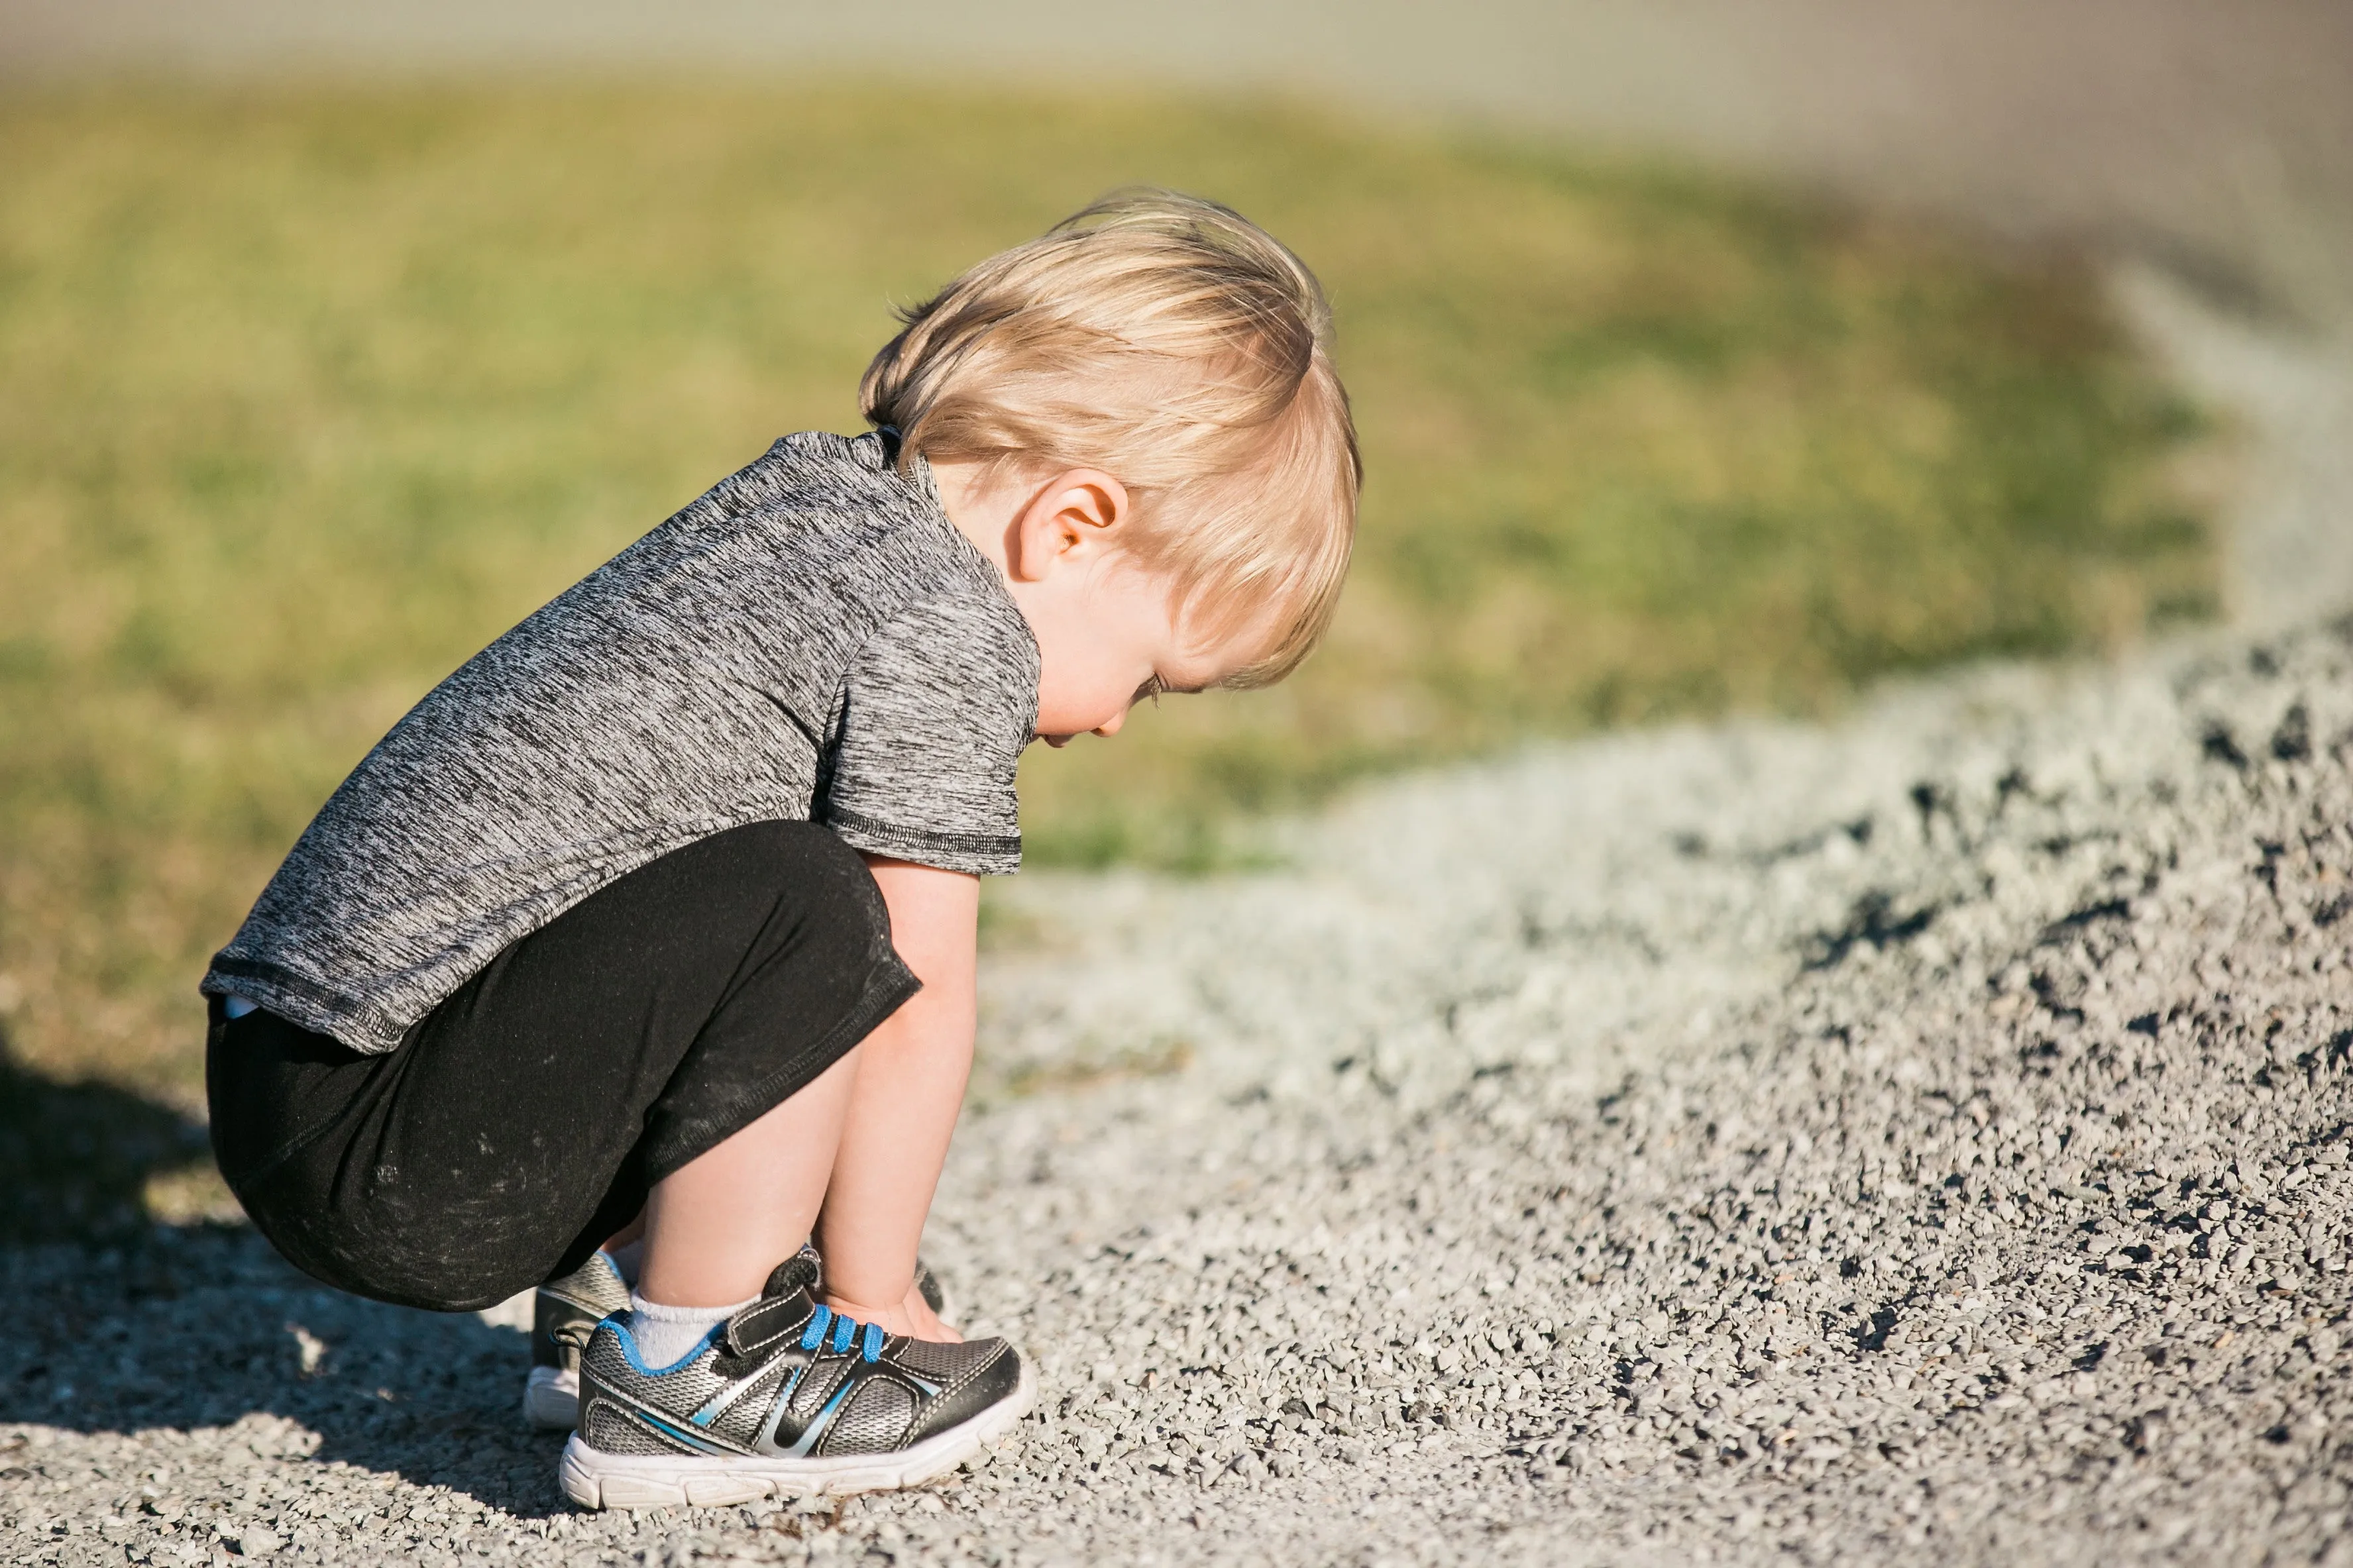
x=1919, y=1139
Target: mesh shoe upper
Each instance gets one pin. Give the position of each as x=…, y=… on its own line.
x=565, y=1310
x=876, y=1420
x=786, y=1377
x=946, y=1362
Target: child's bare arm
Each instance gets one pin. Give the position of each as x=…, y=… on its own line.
x=911, y=1080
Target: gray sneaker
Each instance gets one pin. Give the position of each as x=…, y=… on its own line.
x=928, y=1286
x=786, y=1398
x=563, y=1313
x=566, y=1312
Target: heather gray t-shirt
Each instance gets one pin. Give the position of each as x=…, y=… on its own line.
x=812, y=640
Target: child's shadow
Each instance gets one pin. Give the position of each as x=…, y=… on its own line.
x=133, y=1327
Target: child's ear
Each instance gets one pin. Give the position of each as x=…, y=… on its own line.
x=1076, y=513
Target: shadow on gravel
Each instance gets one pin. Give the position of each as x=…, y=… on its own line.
x=205, y=1327
x=76, y=1158
x=137, y=1326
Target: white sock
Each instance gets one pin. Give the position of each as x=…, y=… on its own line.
x=665, y=1334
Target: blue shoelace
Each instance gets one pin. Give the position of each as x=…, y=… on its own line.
x=844, y=1330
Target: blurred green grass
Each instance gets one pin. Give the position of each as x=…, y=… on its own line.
x=305, y=394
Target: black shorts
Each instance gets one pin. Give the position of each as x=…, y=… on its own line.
x=520, y=1122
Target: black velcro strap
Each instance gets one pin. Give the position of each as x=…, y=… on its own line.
x=784, y=1306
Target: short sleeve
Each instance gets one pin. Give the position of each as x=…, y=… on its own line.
x=936, y=709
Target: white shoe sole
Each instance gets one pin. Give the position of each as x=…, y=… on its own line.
x=551, y=1400
x=597, y=1480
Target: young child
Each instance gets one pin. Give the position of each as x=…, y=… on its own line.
x=645, y=943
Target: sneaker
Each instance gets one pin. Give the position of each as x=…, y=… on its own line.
x=928, y=1286
x=564, y=1312
x=786, y=1399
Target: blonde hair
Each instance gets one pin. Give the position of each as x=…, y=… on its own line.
x=1170, y=341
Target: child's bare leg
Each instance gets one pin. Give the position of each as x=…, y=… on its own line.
x=912, y=1073
x=895, y=1140
x=718, y=1225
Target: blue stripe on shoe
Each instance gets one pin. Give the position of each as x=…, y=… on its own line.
x=638, y=1361
x=846, y=1332
x=667, y=1430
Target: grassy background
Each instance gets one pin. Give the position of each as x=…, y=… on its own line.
x=304, y=395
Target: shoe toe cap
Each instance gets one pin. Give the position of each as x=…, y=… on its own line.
x=991, y=1372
